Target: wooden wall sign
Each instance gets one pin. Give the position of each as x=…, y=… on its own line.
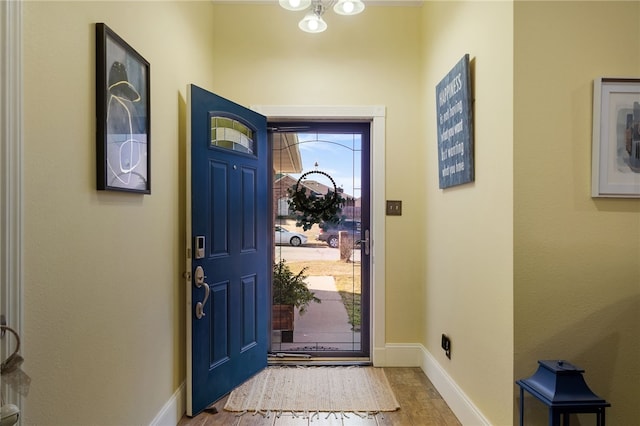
x=455, y=126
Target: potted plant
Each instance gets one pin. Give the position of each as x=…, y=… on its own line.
x=290, y=292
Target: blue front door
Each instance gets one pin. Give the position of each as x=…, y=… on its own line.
x=229, y=253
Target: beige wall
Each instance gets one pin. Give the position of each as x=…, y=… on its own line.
x=372, y=59
x=103, y=300
x=469, y=228
x=576, y=259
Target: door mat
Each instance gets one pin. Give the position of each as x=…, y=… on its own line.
x=309, y=391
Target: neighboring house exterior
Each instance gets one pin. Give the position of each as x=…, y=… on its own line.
x=283, y=182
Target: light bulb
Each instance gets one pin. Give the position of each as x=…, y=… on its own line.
x=348, y=7
x=312, y=23
x=295, y=4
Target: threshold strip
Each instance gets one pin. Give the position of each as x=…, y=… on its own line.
x=283, y=358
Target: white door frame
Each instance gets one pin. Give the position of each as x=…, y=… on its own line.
x=11, y=210
x=377, y=115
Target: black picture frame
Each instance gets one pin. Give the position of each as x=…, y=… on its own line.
x=123, y=130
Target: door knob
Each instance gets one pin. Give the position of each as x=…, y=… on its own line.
x=366, y=243
x=199, y=282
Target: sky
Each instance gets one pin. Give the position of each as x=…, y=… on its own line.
x=338, y=155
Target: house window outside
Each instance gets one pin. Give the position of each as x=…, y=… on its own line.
x=230, y=134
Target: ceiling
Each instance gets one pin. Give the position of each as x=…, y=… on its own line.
x=367, y=2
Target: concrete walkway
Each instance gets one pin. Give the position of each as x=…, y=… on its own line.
x=324, y=326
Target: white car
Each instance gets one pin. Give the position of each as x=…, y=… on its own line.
x=284, y=236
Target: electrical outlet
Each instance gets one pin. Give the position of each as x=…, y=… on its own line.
x=446, y=345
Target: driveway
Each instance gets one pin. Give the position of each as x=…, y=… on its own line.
x=307, y=252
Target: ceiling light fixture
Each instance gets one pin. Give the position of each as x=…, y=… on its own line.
x=313, y=22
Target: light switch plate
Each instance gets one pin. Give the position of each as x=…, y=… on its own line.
x=394, y=208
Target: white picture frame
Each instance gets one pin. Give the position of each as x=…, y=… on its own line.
x=616, y=138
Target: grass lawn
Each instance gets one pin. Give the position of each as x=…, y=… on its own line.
x=347, y=276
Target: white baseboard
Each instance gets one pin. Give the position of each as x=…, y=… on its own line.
x=398, y=355
x=416, y=355
x=464, y=409
x=173, y=410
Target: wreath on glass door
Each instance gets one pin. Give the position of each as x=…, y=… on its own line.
x=314, y=208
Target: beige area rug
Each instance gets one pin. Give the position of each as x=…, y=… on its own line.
x=308, y=390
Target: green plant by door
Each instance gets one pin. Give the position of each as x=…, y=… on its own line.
x=290, y=288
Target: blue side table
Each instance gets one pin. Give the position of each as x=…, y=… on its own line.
x=561, y=387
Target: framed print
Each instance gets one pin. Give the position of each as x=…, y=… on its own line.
x=123, y=115
x=615, y=169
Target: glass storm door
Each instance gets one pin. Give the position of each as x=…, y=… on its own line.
x=321, y=225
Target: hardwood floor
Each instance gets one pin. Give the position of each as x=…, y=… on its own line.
x=420, y=405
